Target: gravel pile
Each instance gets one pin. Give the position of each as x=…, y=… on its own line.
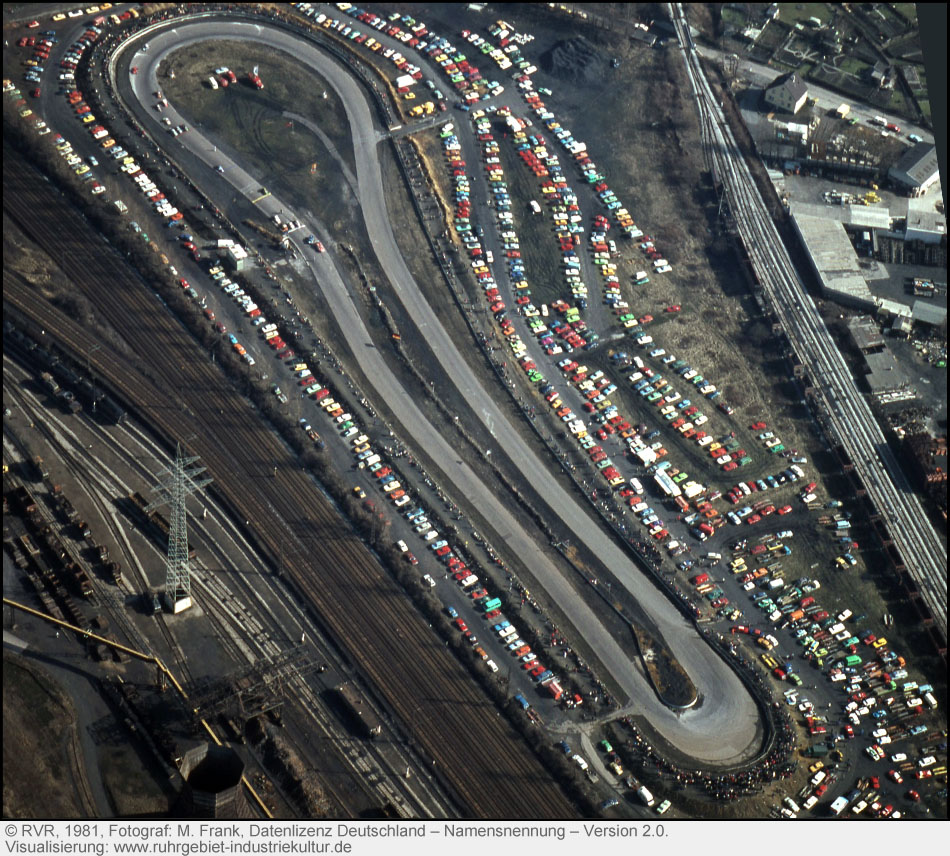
x=575, y=60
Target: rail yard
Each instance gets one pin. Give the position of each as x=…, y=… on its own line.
x=365, y=449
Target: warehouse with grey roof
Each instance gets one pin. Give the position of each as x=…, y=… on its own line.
x=916, y=170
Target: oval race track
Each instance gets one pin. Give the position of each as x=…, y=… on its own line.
x=728, y=711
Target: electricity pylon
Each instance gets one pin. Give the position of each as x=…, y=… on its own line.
x=178, y=481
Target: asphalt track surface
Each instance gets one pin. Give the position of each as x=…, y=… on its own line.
x=724, y=728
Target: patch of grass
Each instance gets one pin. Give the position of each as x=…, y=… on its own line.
x=852, y=65
x=734, y=17
x=908, y=10
x=794, y=13
x=287, y=86
x=539, y=246
x=897, y=103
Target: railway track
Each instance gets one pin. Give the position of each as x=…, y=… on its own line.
x=481, y=759
x=852, y=423
x=240, y=631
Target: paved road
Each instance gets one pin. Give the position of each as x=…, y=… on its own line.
x=723, y=726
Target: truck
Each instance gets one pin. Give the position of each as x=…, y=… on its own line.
x=818, y=750
x=40, y=467
x=49, y=382
x=839, y=805
x=646, y=796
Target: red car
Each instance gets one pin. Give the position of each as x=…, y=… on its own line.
x=785, y=509
x=412, y=560
x=646, y=319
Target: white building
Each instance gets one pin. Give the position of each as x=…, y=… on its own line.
x=787, y=92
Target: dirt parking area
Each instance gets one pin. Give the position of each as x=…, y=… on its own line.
x=40, y=747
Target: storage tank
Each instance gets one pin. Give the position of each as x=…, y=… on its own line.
x=212, y=786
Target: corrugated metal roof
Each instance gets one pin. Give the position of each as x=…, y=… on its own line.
x=928, y=313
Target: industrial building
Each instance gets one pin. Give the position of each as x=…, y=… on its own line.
x=833, y=258
x=865, y=333
x=916, y=170
x=886, y=378
x=928, y=314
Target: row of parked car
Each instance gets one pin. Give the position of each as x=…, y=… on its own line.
x=578, y=151
x=470, y=235
x=24, y=110
x=41, y=46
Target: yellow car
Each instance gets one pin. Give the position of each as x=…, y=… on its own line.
x=59, y=16
x=108, y=144
x=88, y=118
x=26, y=111
x=409, y=96
x=81, y=170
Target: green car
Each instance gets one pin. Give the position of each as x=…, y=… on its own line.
x=605, y=745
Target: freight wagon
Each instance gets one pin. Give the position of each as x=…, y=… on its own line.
x=359, y=711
